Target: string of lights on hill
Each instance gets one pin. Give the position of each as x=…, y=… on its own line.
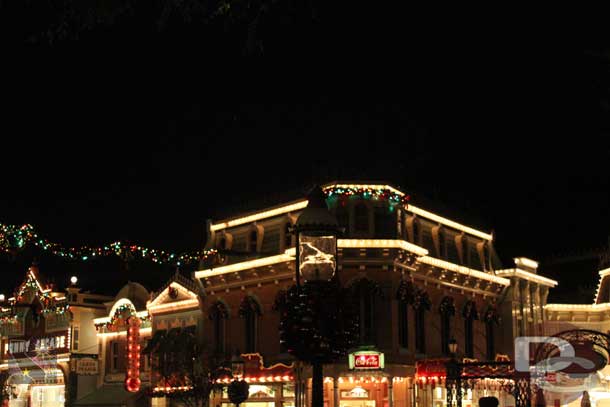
x=14, y=238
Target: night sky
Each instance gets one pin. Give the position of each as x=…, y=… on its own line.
x=509, y=136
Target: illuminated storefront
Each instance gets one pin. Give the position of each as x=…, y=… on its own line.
x=271, y=386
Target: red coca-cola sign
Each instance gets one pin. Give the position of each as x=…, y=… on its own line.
x=367, y=361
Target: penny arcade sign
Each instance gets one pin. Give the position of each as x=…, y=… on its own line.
x=49, y=344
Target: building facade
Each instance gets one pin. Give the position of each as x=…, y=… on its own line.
x=47, y=336
x=419, y=280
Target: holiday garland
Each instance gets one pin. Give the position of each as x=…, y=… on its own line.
x=470, y=310
x=218, y=311
x=14, y=238
x=367, y=193
x=491, y=315
x=405, y=292
x=421, y=300
x=447, y=307
x=249, y=306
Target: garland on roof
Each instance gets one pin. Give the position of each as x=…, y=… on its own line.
x=384, y=194
x=14, y=237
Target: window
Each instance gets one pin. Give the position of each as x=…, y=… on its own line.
x=470, y=314
x=420, y=330
x=249, y=310
x=385, y=223
x=342, y=215
x=489, y=338
x=361, y=218
x=403, y=323
x=287, y=235
x=447, y=311
x=219, y=314
x=75, y=337
x=252, y=241
x=365, y=291
x=114, y=355
x=222, y=243
x=442, y=245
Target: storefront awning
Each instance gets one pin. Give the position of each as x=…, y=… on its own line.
x=110, y=395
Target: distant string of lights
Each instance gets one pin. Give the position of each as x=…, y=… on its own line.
x=15, y=237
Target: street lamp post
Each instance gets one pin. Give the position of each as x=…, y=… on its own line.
x=453, y=382
x=316, y=263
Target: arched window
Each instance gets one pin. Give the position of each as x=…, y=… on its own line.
x=287, y=235
x=447, y=311
x=252, y=240
x=365, y=292
x=249, y=310
x=470, y=314
x=219, y=314
x=342, y=215
x=404, y=296
x=466, y=249
x=491, y=320
x=222, y=243
x=421, y=304
x=442, y=244
x=361, y=218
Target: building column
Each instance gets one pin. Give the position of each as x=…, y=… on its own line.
x=336, y=391
x=390, y=391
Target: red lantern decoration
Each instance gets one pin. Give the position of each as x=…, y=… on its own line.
x=132, y=379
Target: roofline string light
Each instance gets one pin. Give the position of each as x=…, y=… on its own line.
x=366, y=191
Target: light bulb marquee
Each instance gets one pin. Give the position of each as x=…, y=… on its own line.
x=132, y=376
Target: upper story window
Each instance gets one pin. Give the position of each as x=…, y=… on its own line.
x=114, y=356
x=219, y=314
x=342, y=215
x=75, y=337
x=470, y=314
x=421, y=304
x=361, y=217
x=385, y=223
x=287, y=235
x=253, y=240
x=222, y=243
x=250, y=311
x=365, y=293
x=447, y=311
x=413, y=230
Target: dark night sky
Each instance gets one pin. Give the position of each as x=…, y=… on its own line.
x=511, y=136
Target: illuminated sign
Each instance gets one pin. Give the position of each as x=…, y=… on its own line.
x=46, y=344
x=86, y=367
x=366, y=360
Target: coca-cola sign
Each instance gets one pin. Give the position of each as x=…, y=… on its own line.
x=366, y=360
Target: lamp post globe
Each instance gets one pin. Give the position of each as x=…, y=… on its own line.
x=316, y=229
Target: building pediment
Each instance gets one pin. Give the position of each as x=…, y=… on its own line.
x=174, y=297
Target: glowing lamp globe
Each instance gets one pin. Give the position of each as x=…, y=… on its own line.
x=2, y=297
x=316, y=230
x=73, y=279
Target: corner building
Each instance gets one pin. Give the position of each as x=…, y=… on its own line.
x=419, y=280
